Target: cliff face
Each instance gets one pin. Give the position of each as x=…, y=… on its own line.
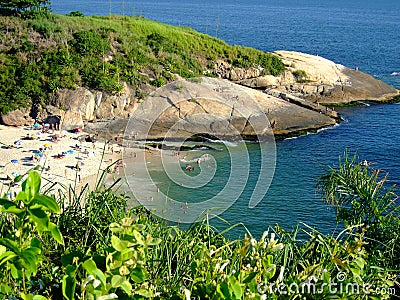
x=289, y=103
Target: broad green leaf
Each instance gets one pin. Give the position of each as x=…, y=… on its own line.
x=108, y=297
x=26, y=296
x=9, y=244
x=237, y=289
x=118, y=244
x=126, y=254
x=70, y=270
x=15, y=273
x=22, y=196
x=153, y=242
x=47, y=202
x=115, y=227
x=13, y=210
x=223, y=291
x=127, y=287
x=31, y=185
x=38, y=297
x=5, y=289
x=55, y=233
x=10, y=207
x=30, y=261
x=6, y=256
x=144, y=293
x=138, y=237
x=90, y=267
x=250, y=277
x=68, y=287
x=116, y=281
x=35, y=242
x=138, y=275
x=40, y=218
x=6, y=203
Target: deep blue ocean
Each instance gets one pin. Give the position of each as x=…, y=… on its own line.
x=363, y=33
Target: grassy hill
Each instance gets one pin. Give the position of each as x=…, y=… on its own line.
x=39, y=56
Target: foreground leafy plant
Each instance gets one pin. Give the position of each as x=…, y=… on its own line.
x=27, y=217
x=125, y=272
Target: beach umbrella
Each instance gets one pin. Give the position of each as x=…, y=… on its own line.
x=14, y=161
x=47, y=145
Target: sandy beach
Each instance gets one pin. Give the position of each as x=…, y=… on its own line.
x=58, y=160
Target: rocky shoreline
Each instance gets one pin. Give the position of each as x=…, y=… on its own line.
x=295, y=102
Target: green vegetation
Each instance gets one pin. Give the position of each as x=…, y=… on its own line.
x=301, y=76
x=41, y=55
x=98, y=249
x=360, y=196
x=25, y=9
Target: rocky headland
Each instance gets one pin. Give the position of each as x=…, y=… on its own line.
x=294, y=102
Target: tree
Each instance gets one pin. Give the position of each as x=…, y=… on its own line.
x=25, y=7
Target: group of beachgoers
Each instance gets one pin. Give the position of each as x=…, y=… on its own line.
x=190, y=168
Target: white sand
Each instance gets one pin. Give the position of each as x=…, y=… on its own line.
x=61, y=170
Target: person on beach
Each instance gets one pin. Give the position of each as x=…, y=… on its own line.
x=79, y=174
x=116, y=169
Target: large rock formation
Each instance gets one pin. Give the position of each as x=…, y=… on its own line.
x=80, y=106
x=216, y=107
x=320, y=80
x=18, y=117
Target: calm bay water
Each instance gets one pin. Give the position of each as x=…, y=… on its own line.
x=363, y=33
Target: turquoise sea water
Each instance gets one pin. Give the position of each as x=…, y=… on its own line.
x=363, y=33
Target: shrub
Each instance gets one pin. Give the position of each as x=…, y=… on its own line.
x=159, y=43
x=160, y=81
x=90, y=42
x=76, y=13
x=300, y=73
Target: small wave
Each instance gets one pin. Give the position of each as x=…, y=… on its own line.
x=316, y=132
x=328, y=128
x=203, y=157
x=227, y=143
x=364, y=103
x=395, y=73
